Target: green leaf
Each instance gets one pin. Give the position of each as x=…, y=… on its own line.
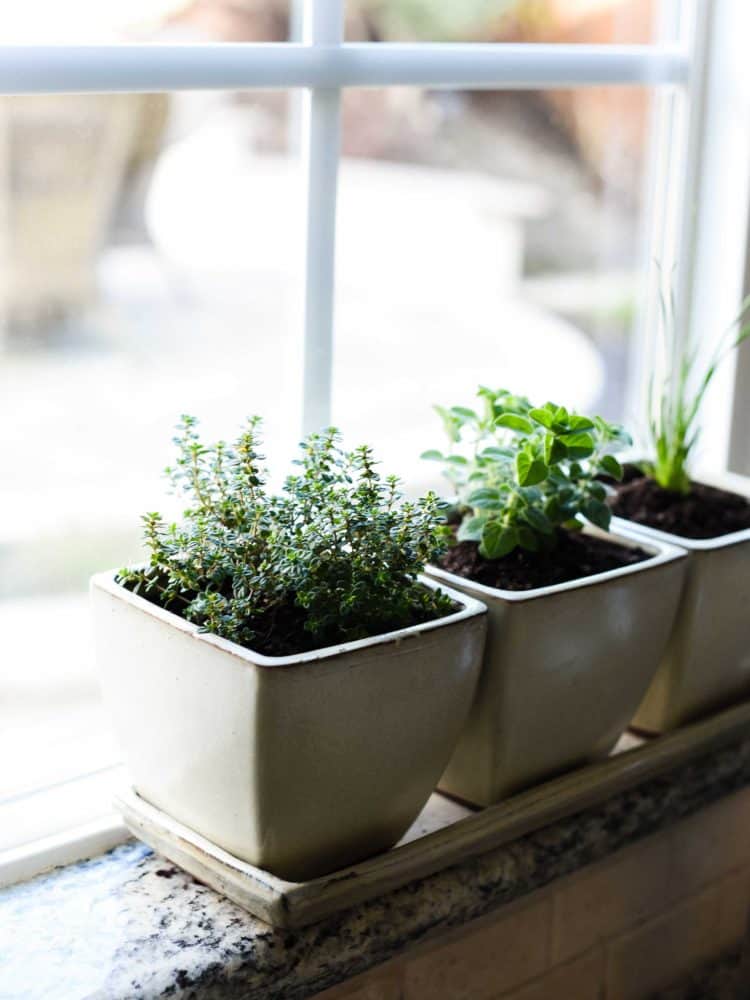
x=464, y=413
x=538, y=520
x=578, y=445
x=598, y=513
x=433, y=455
x=470, y=529
x=485, y=497
x=457, y=460
x=528, y=540
x=577, y=423
x=529, y=470
x=542, y=416
x=495, y=454
x=515, y=422
x=554, y=449
x=497, y=540
x=450, y=423
x=611, y=466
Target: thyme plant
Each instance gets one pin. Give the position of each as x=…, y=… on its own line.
x=334, y=557
x=529, y=472
x=674, y=421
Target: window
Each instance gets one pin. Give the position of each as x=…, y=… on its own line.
x=509, y=171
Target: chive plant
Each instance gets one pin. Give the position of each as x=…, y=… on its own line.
x=673, y=420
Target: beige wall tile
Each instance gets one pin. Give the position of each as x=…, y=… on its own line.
x=482, y=963
x=610, y=897
x=663, y=949
x=384, y=983
x=734, y=909
x=710, y=844
x=581, y=979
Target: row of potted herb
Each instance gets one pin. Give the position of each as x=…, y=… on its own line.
x=292, y=674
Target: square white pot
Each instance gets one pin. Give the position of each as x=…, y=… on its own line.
x=706, y=664
x=297, y=764
x=565, y=668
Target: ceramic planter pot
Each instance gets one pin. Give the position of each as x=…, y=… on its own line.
x=565, y=668
x=296, y=764
x=706, y=664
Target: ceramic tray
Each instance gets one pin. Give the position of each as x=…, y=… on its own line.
x=444, y=834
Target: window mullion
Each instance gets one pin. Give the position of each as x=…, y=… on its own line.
x=323, y=26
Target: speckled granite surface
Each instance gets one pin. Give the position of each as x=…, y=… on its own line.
x=129, y=925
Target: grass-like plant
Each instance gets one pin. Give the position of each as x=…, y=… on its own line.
x=334, y=557
x=674, y=419
x=530, y=471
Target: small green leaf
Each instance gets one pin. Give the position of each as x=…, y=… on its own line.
x=470, y=529
x=598, y=513
x=528, y=540
x=529, y=470
x=576, y=423
x=538, y=520
x=495, y=454
x=450, y=423
x=464, y=413
x=612, y=467
x=457, y=460
x=515, y=422
x=542, y=416
x=485, y=493
x=554, y=449
x=497, y=540
x=578, y=445
x=433, y=455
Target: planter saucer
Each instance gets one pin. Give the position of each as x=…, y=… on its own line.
x=445, y=833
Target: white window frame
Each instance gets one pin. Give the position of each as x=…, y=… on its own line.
x=694, y=66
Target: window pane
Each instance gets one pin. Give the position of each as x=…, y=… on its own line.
x=488, y=238
x=104, y=21
x=152, y=255
x=548, y=21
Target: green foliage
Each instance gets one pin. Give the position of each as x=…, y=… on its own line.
x=334, y=557
x=531, y=470
x=674, y=419
x=426, y=20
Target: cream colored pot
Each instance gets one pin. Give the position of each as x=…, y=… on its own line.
x=565, y=668
x=297, y=764
x=706, y=664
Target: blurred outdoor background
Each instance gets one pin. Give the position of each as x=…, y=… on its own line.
x=151, y=265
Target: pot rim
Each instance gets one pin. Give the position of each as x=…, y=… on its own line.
x=470, y=607
x=663, y=551
x=732, y=482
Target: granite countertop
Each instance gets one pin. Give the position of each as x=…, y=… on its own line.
x=130, y=925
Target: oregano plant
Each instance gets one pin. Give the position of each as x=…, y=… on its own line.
x=335, y=556
x=521, y=473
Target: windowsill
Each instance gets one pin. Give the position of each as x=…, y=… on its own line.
x=129, y=924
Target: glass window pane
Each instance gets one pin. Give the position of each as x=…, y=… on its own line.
x=151, y=266
x=105, y=21
x=488, y=238
x=548, y=21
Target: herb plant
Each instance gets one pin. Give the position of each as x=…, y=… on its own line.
x=674, y=421
x=529, y=472
x=334, y=557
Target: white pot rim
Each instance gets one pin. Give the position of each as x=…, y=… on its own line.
x=469, y=608
x=732, y=482
x=662, y=552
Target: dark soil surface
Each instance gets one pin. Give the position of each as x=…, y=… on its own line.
x=705, y=512
x=574, y=556
x=283, y=632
